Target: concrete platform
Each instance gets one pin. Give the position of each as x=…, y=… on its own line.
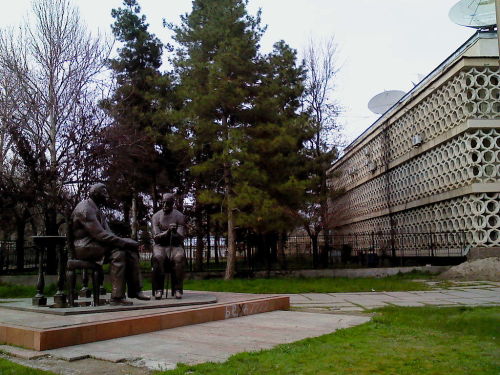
x=41, y=331
x=190, y=299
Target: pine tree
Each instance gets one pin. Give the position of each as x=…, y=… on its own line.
x=271, y=180
x=139, y=107
x=217, y=64
x=242, y=118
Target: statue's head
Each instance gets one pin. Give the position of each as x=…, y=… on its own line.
x=99, y=194
x=167, y=202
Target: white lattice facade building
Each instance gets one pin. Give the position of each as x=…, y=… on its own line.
x=431, y=164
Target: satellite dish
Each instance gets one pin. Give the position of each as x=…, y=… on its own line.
x=474, y=13
x=382, y=102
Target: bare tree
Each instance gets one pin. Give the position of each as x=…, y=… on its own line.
x=321, y=63
x=18, y=168
x=8, y=96
x=55, y=64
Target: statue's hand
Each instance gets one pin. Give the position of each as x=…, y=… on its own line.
x=161, y=237
x=131, y=244
x=162, y=234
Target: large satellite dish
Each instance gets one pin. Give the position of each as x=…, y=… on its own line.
x=382, y=102
x=474, y=13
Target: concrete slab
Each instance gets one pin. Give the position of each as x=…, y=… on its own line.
x=442, y=297
x=351, y=309
x=437, y=303
x=464, y=293
x=88, y=366
x=21, y=353
x=407, y=303
x=398, y=295
x=373, y=306
x=297, y=298
x=485, y=292
x=215, y=341
x=69, y=355
x=321, y=297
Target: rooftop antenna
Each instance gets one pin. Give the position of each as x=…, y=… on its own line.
x=382, y=102
x=478, y=14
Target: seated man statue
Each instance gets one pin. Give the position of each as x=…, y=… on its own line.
x=168, y=226
x=94, y=241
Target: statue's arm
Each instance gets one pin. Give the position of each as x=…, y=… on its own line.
x=181, y=226
x=178, y=229
x=158, y=234
x=93, y=227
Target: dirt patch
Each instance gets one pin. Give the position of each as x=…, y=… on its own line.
x=481, y=269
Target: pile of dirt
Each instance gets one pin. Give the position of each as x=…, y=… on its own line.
x=481, y=269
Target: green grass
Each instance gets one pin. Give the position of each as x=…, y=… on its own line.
x=23, y=291
x=400, y=282
x=398, y=341
x=309, y=285
x=11, y=368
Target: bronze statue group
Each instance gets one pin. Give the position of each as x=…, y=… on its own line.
x=95, y=242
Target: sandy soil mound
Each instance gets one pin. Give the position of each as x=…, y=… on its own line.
x=481, y=269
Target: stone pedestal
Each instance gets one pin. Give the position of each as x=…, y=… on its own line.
x=39, y=300
x=85, y=293
x=60, y=300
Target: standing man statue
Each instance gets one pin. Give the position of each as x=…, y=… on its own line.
x=168, y=232
x=94, y=241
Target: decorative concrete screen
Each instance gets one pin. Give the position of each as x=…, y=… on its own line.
x=432, y=164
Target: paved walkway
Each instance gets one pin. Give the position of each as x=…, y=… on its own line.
x=471, y=293
x=314, y=314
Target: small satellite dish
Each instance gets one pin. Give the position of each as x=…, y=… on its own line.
x=382, y=102
x=474, y=13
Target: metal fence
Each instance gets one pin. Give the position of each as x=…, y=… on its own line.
x=441, y=244
x=365, y=249
x=9, y=262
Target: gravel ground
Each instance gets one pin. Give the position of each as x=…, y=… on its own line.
x=481, y=269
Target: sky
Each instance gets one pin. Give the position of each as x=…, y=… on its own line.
x=382, y=44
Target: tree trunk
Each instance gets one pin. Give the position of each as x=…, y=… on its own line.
x=154, y=194
x=231, y=244
x=51, y=230
x=126, y=213
x=314, y=241
x=134, y=224
x=198, y=220
x=272, y=240
x=231, y=235
x=325, y=249
x=323, y=255
x=281, y=250
x=261, y=252
x=51, y=217
x=216, y=248
x=20, y=230
x=209, y=246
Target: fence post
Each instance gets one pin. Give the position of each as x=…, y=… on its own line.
x=190, y=254
x=432, y=245
x=2, y=250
